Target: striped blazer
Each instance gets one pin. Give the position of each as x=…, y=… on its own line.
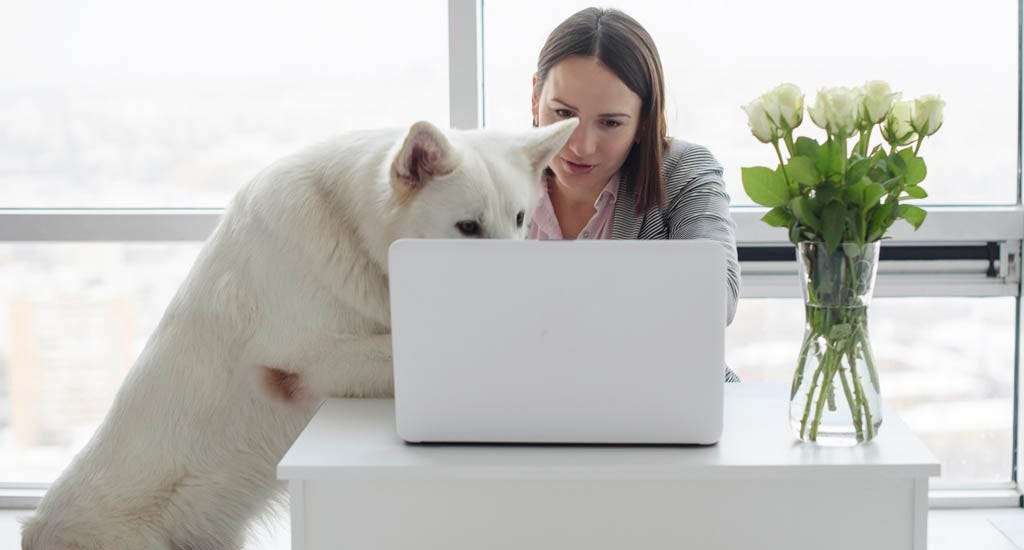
x=696, y=207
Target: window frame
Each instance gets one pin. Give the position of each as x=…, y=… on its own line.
x=926, y=275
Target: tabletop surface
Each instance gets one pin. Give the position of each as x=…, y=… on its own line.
x=355, y=439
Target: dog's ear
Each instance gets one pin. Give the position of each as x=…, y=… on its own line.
x=425, y=154
x=542, y=144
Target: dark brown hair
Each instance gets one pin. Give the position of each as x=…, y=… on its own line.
x=621, y=44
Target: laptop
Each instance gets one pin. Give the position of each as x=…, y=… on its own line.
x=601, y=341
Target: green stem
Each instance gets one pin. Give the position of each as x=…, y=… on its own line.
x=865, y=350
x=854, y=404
x=789, y=143
x=810, y=397
x=920, y=140
x=842, y=160
x=863, y=236
x=826, y=386
x=863, y=140
x=798, y=377
x=793, y=189
x=867, y=408
x=863, y=339
x=831, y=397
x=856, y=321
x=838, y=285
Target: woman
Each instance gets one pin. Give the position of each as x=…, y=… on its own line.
x=620, y=176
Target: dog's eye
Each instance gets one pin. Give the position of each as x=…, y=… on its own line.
x=469, y=228
x=519, y=218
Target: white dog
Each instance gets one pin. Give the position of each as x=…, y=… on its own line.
x=286, y=304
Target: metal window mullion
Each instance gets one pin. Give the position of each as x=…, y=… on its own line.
x=1018, y=439
x=465, y=64
x=108, y=225
x=944, y=224
x=788, y=286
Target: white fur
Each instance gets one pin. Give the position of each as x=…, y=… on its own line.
x=294, y=278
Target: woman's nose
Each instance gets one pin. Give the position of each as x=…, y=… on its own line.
x=582, y=142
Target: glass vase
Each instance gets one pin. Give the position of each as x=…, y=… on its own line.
x=835, y=398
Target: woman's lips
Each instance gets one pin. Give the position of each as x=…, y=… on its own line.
x=577, y=169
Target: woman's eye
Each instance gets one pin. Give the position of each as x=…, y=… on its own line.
x=564, y=113
x=612, y=123
x=519, y=218
x=469, y=228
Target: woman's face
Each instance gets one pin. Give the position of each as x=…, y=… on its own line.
x=609, y=115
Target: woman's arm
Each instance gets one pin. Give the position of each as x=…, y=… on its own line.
x=699, y=207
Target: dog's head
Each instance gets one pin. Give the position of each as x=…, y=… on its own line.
x=470, y=184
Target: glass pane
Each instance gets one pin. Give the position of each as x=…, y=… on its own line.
x=718, y=56
x=73, y=318
x=945, y=366
x=116, y=103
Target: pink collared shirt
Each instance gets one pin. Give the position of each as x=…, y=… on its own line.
x=544, y=225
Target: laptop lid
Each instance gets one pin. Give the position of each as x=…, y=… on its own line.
x=599, y=341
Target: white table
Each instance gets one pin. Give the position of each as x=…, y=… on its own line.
x=354, y=484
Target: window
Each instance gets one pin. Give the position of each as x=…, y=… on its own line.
x=952, y=378
x=945, y=365
x=110, y=105
x=718, y=56
x=73, y=319
x=125, y=104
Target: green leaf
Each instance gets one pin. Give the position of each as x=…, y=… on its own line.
x=873, y=192
x=916, y=192
x=806, y=147
x=891, y=183
x=803, y=208
x=912, y=214
x=833, y=222
x=840, y=331
x=794, y=234
x=854, y=224
x=854, y=193
x=852, y=250
x=764, y=186
x=778, y=217
x=858, y=169
x=907, y=154
x=898, y=163
x=829, y=159
x=826, y=192
x=801, y=169
x=880, y=220
x=916, y=171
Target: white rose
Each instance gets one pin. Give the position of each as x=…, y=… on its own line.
x=785, y=105
x=878, y=100
x=835, y=110
x=927, y=114
x=760, y=125
x=897, y=129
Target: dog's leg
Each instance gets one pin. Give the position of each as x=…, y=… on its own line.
x=353, y=277
x=347, y=366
